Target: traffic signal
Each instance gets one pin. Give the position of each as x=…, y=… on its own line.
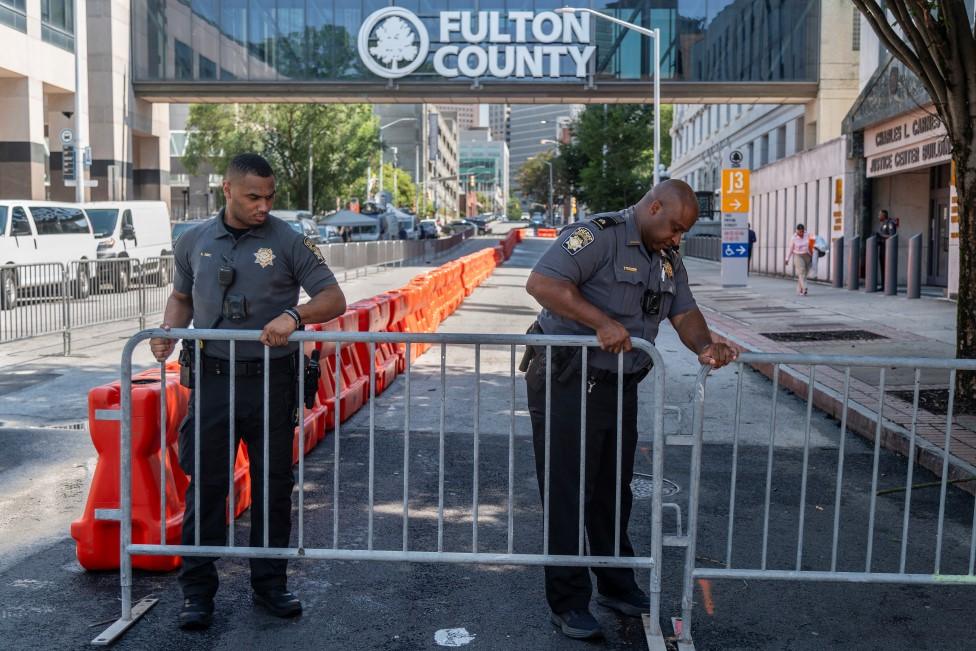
x=572, y=205
x=471, y=180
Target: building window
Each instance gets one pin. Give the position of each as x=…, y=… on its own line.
x=764, y=150
x=13, y=13
x=184, y=60
x=781, y=142
x=207, y=68
x=177, y=144
x=799, y=127
x=58, y=23
x=856, y=31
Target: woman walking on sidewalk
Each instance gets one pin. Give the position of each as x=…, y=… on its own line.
x=799, y=251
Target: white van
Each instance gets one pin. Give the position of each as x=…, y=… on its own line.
x=135, y=230
x=44, y=234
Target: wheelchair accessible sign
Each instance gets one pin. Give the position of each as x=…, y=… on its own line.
x=735, y=223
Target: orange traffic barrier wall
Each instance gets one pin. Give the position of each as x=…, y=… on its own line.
x=546, y=232
x=419, y=306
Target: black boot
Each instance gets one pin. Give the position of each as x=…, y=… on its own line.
x=197, y=613
x=279, y=602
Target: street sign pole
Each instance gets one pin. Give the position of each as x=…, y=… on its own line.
x=735, y=223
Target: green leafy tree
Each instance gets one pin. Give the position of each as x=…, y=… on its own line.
x=610, y=162
x=514, y=209
x=935, y=40
x=342, y=138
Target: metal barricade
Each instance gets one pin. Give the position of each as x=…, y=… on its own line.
x=497, y=546
x=44, y=299
x=824, y=523
x=32, y=300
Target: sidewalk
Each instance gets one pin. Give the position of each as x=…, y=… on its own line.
x=769, y=317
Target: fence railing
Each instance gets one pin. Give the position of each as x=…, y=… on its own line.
x=52, y=298
x=709, y=248
x=817, y=540
x=517, y=534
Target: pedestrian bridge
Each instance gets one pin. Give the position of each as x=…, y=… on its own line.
x=505, y=51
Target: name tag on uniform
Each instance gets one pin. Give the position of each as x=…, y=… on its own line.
x=631, y=269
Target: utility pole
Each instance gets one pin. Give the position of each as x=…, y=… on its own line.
x=82, y=152
x=311, y=209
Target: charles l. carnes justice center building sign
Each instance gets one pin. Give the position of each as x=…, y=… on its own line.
x=914, y=140
x=393, y=43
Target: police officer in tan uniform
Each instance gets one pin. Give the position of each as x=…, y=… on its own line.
x=617, y=276
x=243, y=270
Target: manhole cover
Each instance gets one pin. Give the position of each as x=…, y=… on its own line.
x=642, y=486
x=803, y=336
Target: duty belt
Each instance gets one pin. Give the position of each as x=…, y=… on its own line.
x=245, y=368
x=604, y=376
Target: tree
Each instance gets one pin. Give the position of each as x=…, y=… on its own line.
x=343, y=138
x=610, y=161
x=934, y=39
x=514, y=209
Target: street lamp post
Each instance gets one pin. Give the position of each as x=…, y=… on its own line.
x=389, y=124
x=549, y=207
x=654, y=34
x=547, y=141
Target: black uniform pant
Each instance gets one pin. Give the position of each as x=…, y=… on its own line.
x=199, y=576
x=569, y=588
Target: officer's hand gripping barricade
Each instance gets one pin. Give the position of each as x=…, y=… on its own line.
x=313, y=371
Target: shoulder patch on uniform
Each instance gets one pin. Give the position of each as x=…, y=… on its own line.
x=314, y=249
x=578, y=240
x=605, y=221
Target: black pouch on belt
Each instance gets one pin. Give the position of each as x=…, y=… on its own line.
x=312, y=373
x=530, y=351
x=186, y=363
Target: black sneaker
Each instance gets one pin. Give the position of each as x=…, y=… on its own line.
x=632, y=604
x=577, y=624
x=196, y=614
x=279, y=602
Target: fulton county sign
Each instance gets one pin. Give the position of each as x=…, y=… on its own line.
x=393, y=43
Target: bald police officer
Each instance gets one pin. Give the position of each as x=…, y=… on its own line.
x=616, y=276
x=242, y=270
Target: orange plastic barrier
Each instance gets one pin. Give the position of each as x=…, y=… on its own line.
x=354, y=386
x=97, y=541
x=546, y=232
x=374, y=316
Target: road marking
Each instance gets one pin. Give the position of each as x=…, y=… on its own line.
x=453, y=637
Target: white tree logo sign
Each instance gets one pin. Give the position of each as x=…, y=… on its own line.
x=393, y=42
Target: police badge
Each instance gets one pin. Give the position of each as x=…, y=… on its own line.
x=264, y=257
x=579, y=240
x=310, y=245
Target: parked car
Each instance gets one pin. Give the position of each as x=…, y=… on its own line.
x=329, y=234
x=481, y=224
x=178, y=228
x=135, y=231
x=40, y=233
x=302, y=222
x=538, y=220
x=461, y=225
x=428, y=229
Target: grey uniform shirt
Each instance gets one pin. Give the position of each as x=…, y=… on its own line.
x=270, y=262
x=612, y=269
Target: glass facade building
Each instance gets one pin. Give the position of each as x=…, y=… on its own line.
x=314, y=43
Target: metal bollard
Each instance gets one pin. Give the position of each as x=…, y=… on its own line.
x=837, y=263
x=891, y=266
x=854, y=264
x=871, y=264
x=915, y=266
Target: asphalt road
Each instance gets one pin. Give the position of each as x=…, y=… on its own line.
x=48, y=601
